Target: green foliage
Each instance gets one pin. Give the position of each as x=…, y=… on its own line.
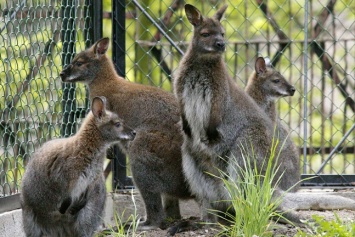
x=251, y=195
x=333, y=228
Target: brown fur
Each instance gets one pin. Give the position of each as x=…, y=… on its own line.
x=155, y=154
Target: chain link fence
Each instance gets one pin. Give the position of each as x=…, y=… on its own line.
x=36, y=39
x=312, y=43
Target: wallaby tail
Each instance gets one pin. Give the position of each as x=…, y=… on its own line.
x=318, y=202
x=293, y=202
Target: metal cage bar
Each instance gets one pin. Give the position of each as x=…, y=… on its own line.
x=119, y=164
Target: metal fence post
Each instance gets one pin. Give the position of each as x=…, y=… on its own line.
x=94, y=25
x=119, y=167
x=119, y=36
x=305, y=81
x=92, y=33
x=68, y=36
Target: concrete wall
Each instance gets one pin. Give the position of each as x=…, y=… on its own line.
x=126, y=202
x=11, y=224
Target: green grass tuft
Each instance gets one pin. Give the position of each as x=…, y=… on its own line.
x=251, y=195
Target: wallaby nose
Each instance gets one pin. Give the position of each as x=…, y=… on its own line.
x=62, y=74
x=292, y=91
x=221, y=45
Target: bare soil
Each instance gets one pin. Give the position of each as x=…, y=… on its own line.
x=278, y=230
x=190, y=211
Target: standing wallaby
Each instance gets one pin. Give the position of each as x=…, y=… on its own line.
x=217, y=116
x=220, y=121
x=155, y=153
x=63, y=189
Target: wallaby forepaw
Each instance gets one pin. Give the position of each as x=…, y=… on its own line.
x=65, y=205
x=213, y=136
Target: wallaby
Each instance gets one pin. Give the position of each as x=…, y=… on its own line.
x=220, y=121
x=155, y=154
x=265, y=85
x=63, y=189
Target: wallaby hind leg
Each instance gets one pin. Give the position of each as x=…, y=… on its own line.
x=206, y=215
x=154, y=210
x=171, y=207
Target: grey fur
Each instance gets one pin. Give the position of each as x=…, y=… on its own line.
x=229, y=124
x=265, y=86
x=63, y=189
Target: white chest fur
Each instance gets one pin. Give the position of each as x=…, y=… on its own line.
x=197, y=109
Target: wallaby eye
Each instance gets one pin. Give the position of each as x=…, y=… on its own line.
x=78, y=64
x=222, y=34
x=205, y=34
x=118, y=124
x=276, y=80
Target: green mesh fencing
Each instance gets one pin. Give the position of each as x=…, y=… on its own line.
x=318, y=58
x=33, y=36
x=310, y=42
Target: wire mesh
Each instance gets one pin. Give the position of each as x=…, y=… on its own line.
x=275, y=29
x=31, y=93
x=37, y=38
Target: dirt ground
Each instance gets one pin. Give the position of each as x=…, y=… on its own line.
x=190, y=210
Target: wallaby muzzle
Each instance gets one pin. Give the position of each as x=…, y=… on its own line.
x=65, y=72
x=291, y=90
x=220, y=45
x=131, y=134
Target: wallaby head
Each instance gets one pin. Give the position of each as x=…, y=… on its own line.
x=208, y=37
x=88, y=64
x=270, y=81
x=108, y=123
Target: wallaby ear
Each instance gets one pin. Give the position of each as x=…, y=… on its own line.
x=193, y=15
x=260, y=66
x=101, y=46
x=219, y=14
x=98, y=106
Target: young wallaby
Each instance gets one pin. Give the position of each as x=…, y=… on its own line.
x=155, y=153
x=220, y=121
x=266, y=85
x=63, y=189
